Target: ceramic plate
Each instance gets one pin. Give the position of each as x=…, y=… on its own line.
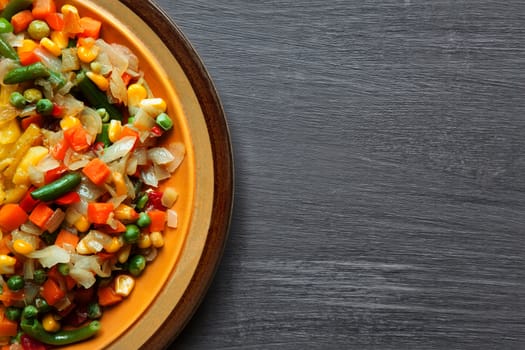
x=171, y=288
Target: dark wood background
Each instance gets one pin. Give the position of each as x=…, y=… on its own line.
x=380, y=173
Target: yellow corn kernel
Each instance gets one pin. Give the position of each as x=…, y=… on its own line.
x=136, y=93
x=82, y=248
x=60, y=38
x=123, y=254
x=144, y=241
x=120, y=184
x=169, y=197
x=101, y=81
x=82, y=224
x=124, y=285
x=7, y=264
x=87, y=54
x=125, y=213
x=153, y=106
x=50, y=323
x=28, y=45
x=114, y=245
x=69, y=122
x=114, y=130
x=51, y=46
x=68, y=9
x=156, y=239
x=22, y=247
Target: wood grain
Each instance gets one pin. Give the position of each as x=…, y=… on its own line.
x=380, y=164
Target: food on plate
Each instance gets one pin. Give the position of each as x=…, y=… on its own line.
x=81, y=211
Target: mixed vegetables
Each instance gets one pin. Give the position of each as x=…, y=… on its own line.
x=81, y=213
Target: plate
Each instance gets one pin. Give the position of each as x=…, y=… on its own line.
x=170, y=290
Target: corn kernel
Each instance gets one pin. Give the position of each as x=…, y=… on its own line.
x=51, y=46
x=68, y=9
x=114, y=245
x=7, y=264
x=136, y=93
x=120, y=184
x=156, y=239
x=87, y=54
x=28, y=45
x=10, y=132
x=61, y=39
x=144, y=241
x=123, y=254
x=22, y=247
x=169, y=197
x=82, y=224
x=82, y=248
x=50, y=324
x=153, y=106
x=101, y=81
x=124, y=284
x=96, y=67
x=114, y=130
x=125, y=213
x=69, y=122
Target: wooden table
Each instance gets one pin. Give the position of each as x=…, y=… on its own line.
x=380, y=173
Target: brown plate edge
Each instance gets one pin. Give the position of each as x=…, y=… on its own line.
x=222, y=155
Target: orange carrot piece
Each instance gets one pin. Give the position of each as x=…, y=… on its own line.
x=8, y=297
x=51, y=291
x=78, y=138
x=107, y=296
x=97, y=171
x=8, y=328
x=3, y=4
x=55, y=20
x=65, y=237
x=4, y=248
x=158, y=220
x=21, y=20
x=98, y=213
x=12, y=216
x=40, y=215
x=42, y=8
x=32, y=119
x=90, y=27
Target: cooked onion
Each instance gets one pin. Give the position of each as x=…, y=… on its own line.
x=119, y=149
x=51, y=255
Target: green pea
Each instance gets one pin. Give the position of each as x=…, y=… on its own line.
x=104, y=115
x=39, y=276
x=137, y=264
x=30, y=312
x=38, y=29
x=132, y=233
x=142, y=201
x=44, y=106
x=144, y=220
x=17, y=100
x=32, y=95
x=15, y=282
x=13, y=313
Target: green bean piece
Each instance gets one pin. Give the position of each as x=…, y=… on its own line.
x=104, y=115
x=13, y=7
x=38, y=29
x=42, y=305
x=15, y=282
x=94, y=311
x=26, y=73
x=57, y=188
x=104, y=136
x=137, y=264
x=5, y=26
x=44, y=106
x=96, y=97
x=17, y=100
x=142, y=201
x=63, y=269
x=35, y=330
x=6, y=50
x=164, y=121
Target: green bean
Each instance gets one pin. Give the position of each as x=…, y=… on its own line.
x=7, y=50
x=26, y=73
x=95, y=97
x=57, y=188
x=5, y=26
x=35, y=330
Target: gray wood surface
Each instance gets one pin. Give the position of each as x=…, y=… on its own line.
x=380, y=164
